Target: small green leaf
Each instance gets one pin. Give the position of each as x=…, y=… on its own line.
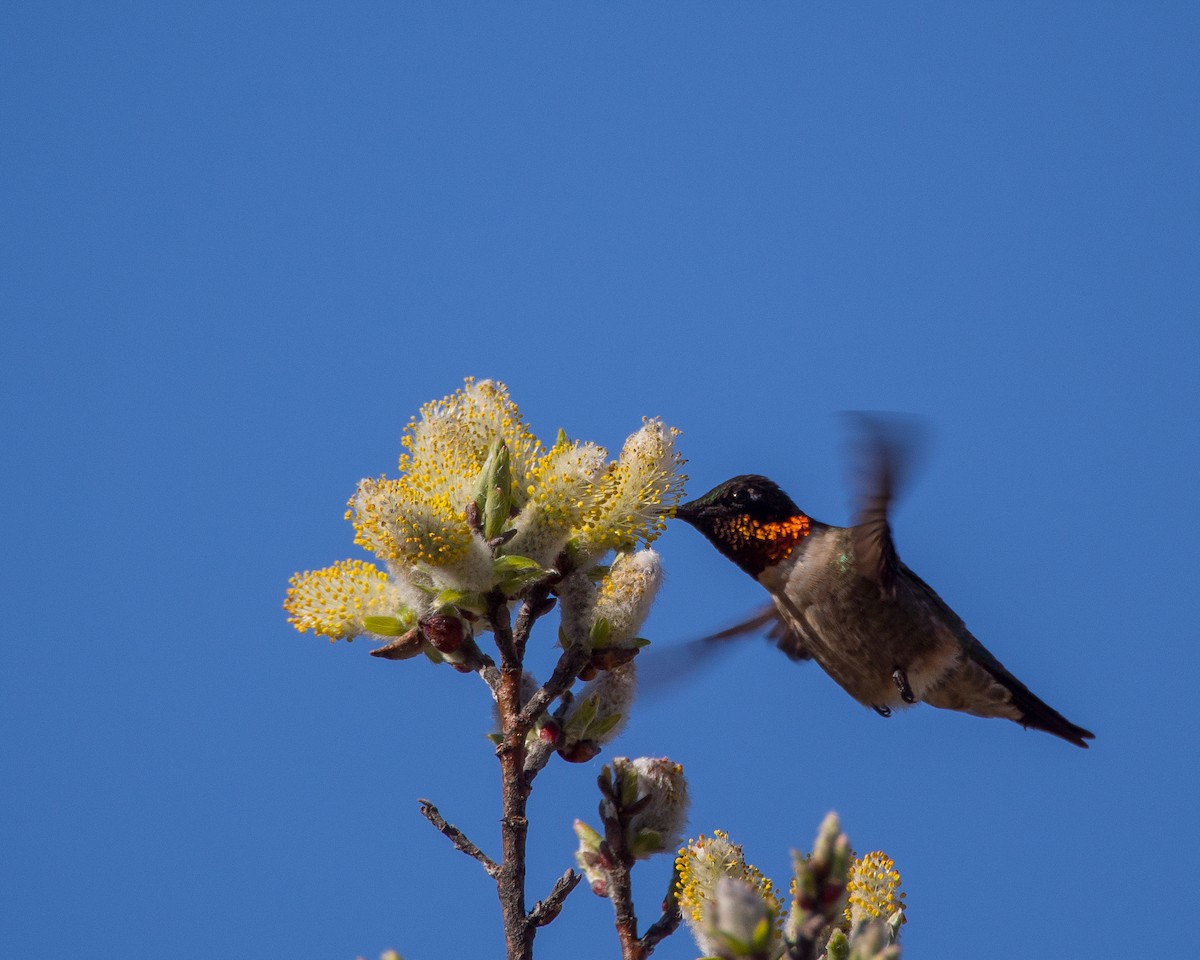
x=515, y=573
x=639, y=642
x=762, y=934
x=588, y=835
x=386, y=626
x=601, y=727
x=628, y=785
x=600, y=632
x=733, y=946
x=514, y=563
x=581, y=719
x=646, y=842
x=462, y=599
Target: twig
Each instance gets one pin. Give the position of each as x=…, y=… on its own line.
x=479, y=662
x=569, y=664
x=546, y=910
x=618, y=863
x=497, y=615
x=620, y=883
x=537, y=603
x=514, y=789
x=458, y=838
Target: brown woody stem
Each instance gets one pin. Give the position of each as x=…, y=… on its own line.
x=458, y=838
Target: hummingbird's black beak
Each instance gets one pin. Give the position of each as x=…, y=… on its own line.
x=687, y=511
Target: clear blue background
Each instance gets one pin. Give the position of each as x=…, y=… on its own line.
x=242, y=243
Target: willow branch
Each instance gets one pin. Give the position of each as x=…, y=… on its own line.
x=565, y=671
x=514, y=788
x=546, y=910
x=497, y=615
x=458, y=838
x=475, y=660
x=620, y=882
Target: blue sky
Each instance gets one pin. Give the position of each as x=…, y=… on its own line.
x=243, y=243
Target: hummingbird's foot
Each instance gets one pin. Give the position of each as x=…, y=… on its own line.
x=900, y=678
x=882, y=711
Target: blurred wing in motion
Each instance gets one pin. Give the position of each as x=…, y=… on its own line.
x=885, y=450
x=767, y=619
x=660, y=667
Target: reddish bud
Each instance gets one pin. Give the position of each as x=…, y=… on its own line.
x=609, y=657
x=580, y=752
x=444, y=633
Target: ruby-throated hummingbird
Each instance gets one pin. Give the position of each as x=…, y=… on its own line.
x=842, y=597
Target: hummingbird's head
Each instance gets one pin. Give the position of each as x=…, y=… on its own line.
x=750, y=520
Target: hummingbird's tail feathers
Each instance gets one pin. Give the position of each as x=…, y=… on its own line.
x=980, y=685
x=1036, y=714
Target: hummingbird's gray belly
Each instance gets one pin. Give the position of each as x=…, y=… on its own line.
x=859, y=638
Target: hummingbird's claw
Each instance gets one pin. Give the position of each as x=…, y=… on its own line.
x=883, y=711
x=901, y=680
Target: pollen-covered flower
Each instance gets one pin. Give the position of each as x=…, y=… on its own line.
x=401, y=525
x=637, y=492
x=481, y=505
x=347, y=600
x=422, y=517
x=874, y=889
x=701, y=866
x=624, y=597
x=562, y=490
x=448, y=445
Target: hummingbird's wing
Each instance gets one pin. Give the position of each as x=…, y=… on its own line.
x=885, y=449
x=769, y=619
x=659, y=668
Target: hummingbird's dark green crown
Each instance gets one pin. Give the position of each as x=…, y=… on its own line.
x=750, y=520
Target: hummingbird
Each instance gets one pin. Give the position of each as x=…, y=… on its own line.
x=841, y=596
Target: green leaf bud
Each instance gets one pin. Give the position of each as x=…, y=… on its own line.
x=494, y=493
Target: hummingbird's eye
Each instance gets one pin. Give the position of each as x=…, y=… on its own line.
x=744, y=495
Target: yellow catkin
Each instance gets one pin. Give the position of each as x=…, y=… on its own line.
x=332, y=602
x=873, y=888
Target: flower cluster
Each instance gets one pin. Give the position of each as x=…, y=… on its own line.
x=840, y=906
x=873, y=889
x=481, y=505
x=729, y=906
